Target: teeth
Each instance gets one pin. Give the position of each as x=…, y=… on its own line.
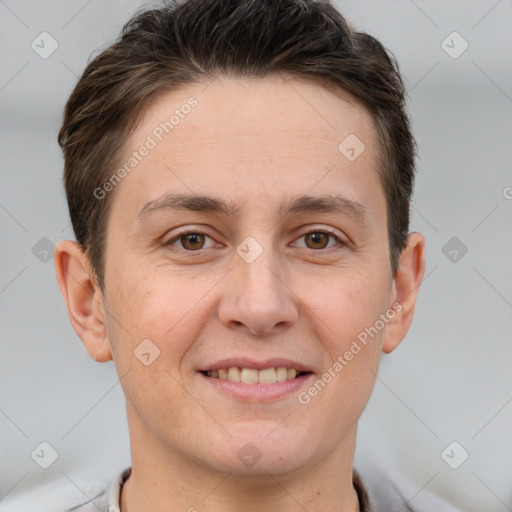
x=249, y=376
x=234, y=374
x=253, y=376
x=267, y=376
x=291, y=373
x=282, y=374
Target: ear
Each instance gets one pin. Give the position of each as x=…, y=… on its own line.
x=83, y=297
x=406, y=284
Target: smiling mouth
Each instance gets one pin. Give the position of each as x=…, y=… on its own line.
x=254, y=376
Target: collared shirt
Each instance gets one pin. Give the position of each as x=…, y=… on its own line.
x=108, y=499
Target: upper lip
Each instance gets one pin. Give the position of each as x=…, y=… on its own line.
x=245, y=362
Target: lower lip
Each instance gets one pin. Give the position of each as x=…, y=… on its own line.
x=258, y=392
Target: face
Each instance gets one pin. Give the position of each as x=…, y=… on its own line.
x=245, y=238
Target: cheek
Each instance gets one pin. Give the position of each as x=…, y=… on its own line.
x=151, y=328
x=347, y=304
x=160, y=307
x=353, y=310
x=348, y=312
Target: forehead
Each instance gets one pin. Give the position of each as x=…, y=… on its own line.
x=253, y=138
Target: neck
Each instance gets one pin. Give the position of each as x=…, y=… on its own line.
x=173, y=482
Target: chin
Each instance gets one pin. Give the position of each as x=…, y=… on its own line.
x=260, y=450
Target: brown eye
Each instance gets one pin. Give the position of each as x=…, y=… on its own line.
x=321, y=241
x=317, y=240
x=192, y=241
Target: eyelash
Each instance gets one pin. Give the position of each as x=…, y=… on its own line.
x=197, y=232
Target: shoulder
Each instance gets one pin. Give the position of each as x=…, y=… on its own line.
x=366, y=503
x=106, y=499
x=95, y=504
x=391, y=490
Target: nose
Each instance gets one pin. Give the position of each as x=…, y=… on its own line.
x=257, y=299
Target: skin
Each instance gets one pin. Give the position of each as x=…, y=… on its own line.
x=258, y=143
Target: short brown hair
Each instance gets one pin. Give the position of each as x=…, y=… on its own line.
x=184, y=42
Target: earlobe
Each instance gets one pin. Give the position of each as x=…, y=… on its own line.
x=83, y=298
x=406, y=285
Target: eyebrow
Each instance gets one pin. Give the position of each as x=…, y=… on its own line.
x=300, y=204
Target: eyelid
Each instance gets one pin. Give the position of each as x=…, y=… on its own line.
x=318, y=229
x=330, y=231
x=183, y=232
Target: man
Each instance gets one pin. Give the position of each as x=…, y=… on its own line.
x=238, y=177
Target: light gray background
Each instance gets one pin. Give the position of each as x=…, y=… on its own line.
x=450, y=380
